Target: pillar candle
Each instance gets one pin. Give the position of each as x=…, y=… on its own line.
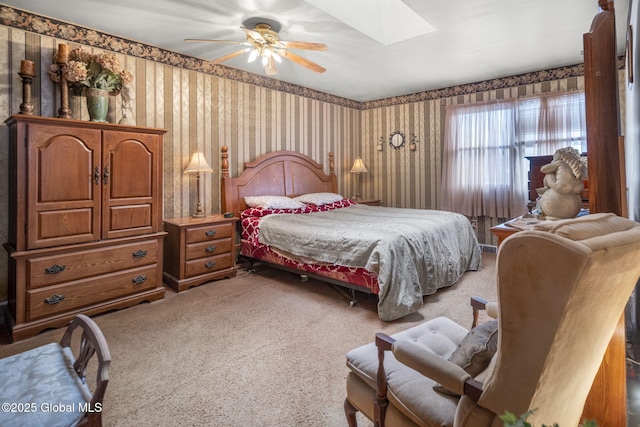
x=63, y=53
x=27, y=67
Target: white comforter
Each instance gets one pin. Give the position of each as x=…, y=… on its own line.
x=414, y=252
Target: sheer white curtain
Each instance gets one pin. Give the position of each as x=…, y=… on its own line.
x=483, y=165
x=561, y=123
x=485, y=170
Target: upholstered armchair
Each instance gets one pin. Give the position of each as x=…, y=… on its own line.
x=561, y=291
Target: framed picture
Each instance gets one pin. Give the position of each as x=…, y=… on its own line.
x=630, y=54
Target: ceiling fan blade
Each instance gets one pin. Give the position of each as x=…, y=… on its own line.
x=254, y=35
x=231, y=55
x=301, y=61
x=215, y=41
x=304, y=45
x=270, y=68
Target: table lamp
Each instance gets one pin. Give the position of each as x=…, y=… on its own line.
x=197, y=165
x=358, y=168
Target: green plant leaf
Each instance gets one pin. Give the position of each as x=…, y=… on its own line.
x=511, y=420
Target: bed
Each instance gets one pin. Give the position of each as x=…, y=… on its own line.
x=293, y=218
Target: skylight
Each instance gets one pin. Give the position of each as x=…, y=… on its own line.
x=385, y=21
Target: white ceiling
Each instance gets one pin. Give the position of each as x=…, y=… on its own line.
x=475, y=40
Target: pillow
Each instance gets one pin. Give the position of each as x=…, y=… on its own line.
x=336, y=205
x=259, y=212
x=475, y=351
x=272, y=202
x=319, y=199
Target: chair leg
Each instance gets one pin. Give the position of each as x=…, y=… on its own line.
x=350, y=411
x=93, y=419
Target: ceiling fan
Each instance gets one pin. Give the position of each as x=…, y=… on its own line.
x=265, y=43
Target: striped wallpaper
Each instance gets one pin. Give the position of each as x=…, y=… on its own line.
x=204, y=110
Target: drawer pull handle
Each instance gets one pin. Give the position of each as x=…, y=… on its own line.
x=54, y=299
x=140, y=254
x=211, y=248
x=210, y=264
x=139, y=279
x=210, y=233
x=55, y=269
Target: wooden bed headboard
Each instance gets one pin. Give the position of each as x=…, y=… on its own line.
x=281, y=173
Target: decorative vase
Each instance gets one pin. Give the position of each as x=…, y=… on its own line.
x=97, y=104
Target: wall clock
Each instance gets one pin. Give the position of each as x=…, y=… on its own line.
x=396, y=139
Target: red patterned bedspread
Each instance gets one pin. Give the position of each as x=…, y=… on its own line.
x=251, y=247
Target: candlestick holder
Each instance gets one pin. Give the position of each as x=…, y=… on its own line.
x=64, y=112
x=27, y=100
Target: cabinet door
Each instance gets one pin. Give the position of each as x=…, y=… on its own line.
x=132, y=184
x=63, y=190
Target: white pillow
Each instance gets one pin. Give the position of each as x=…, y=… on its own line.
x=272, y=202
x=319, y=199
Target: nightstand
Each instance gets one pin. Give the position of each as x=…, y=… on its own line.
x=198, y=250
x=370, y=202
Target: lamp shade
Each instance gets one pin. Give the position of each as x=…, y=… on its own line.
x=358, y=166
x=198, y=164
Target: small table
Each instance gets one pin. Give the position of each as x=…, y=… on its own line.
x=524, y=222
x=370, y=202
x=502, y=231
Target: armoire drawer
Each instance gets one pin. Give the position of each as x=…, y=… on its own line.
x=208, y=232
x=52, y=269
x=207, y=249
x=81, y=293
x=208, y=265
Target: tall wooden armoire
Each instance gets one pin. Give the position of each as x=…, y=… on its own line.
x=607, y=400
x=85, y=220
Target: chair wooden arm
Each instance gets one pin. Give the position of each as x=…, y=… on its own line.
x=437, y=368
x=92, y=342
x=384, y=343
x=477, y=304
x=472, y=388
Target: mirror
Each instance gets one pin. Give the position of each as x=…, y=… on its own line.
x=396, y=140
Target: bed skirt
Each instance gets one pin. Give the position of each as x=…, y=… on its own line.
x=359, y=277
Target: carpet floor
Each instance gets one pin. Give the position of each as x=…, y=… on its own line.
x=263, y=349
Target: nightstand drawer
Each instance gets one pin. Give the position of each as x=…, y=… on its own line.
x=208, y=232
x=207, y=265
x=206, y=249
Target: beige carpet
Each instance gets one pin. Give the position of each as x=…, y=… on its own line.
x=264, y=349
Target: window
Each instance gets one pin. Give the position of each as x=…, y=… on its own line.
x=485, y=171
x=553, y=122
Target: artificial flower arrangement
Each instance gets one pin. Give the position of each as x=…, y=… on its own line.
x=86, y=70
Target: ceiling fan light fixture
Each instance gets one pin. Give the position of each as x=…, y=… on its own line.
x=264, y=42
x=253, y=55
